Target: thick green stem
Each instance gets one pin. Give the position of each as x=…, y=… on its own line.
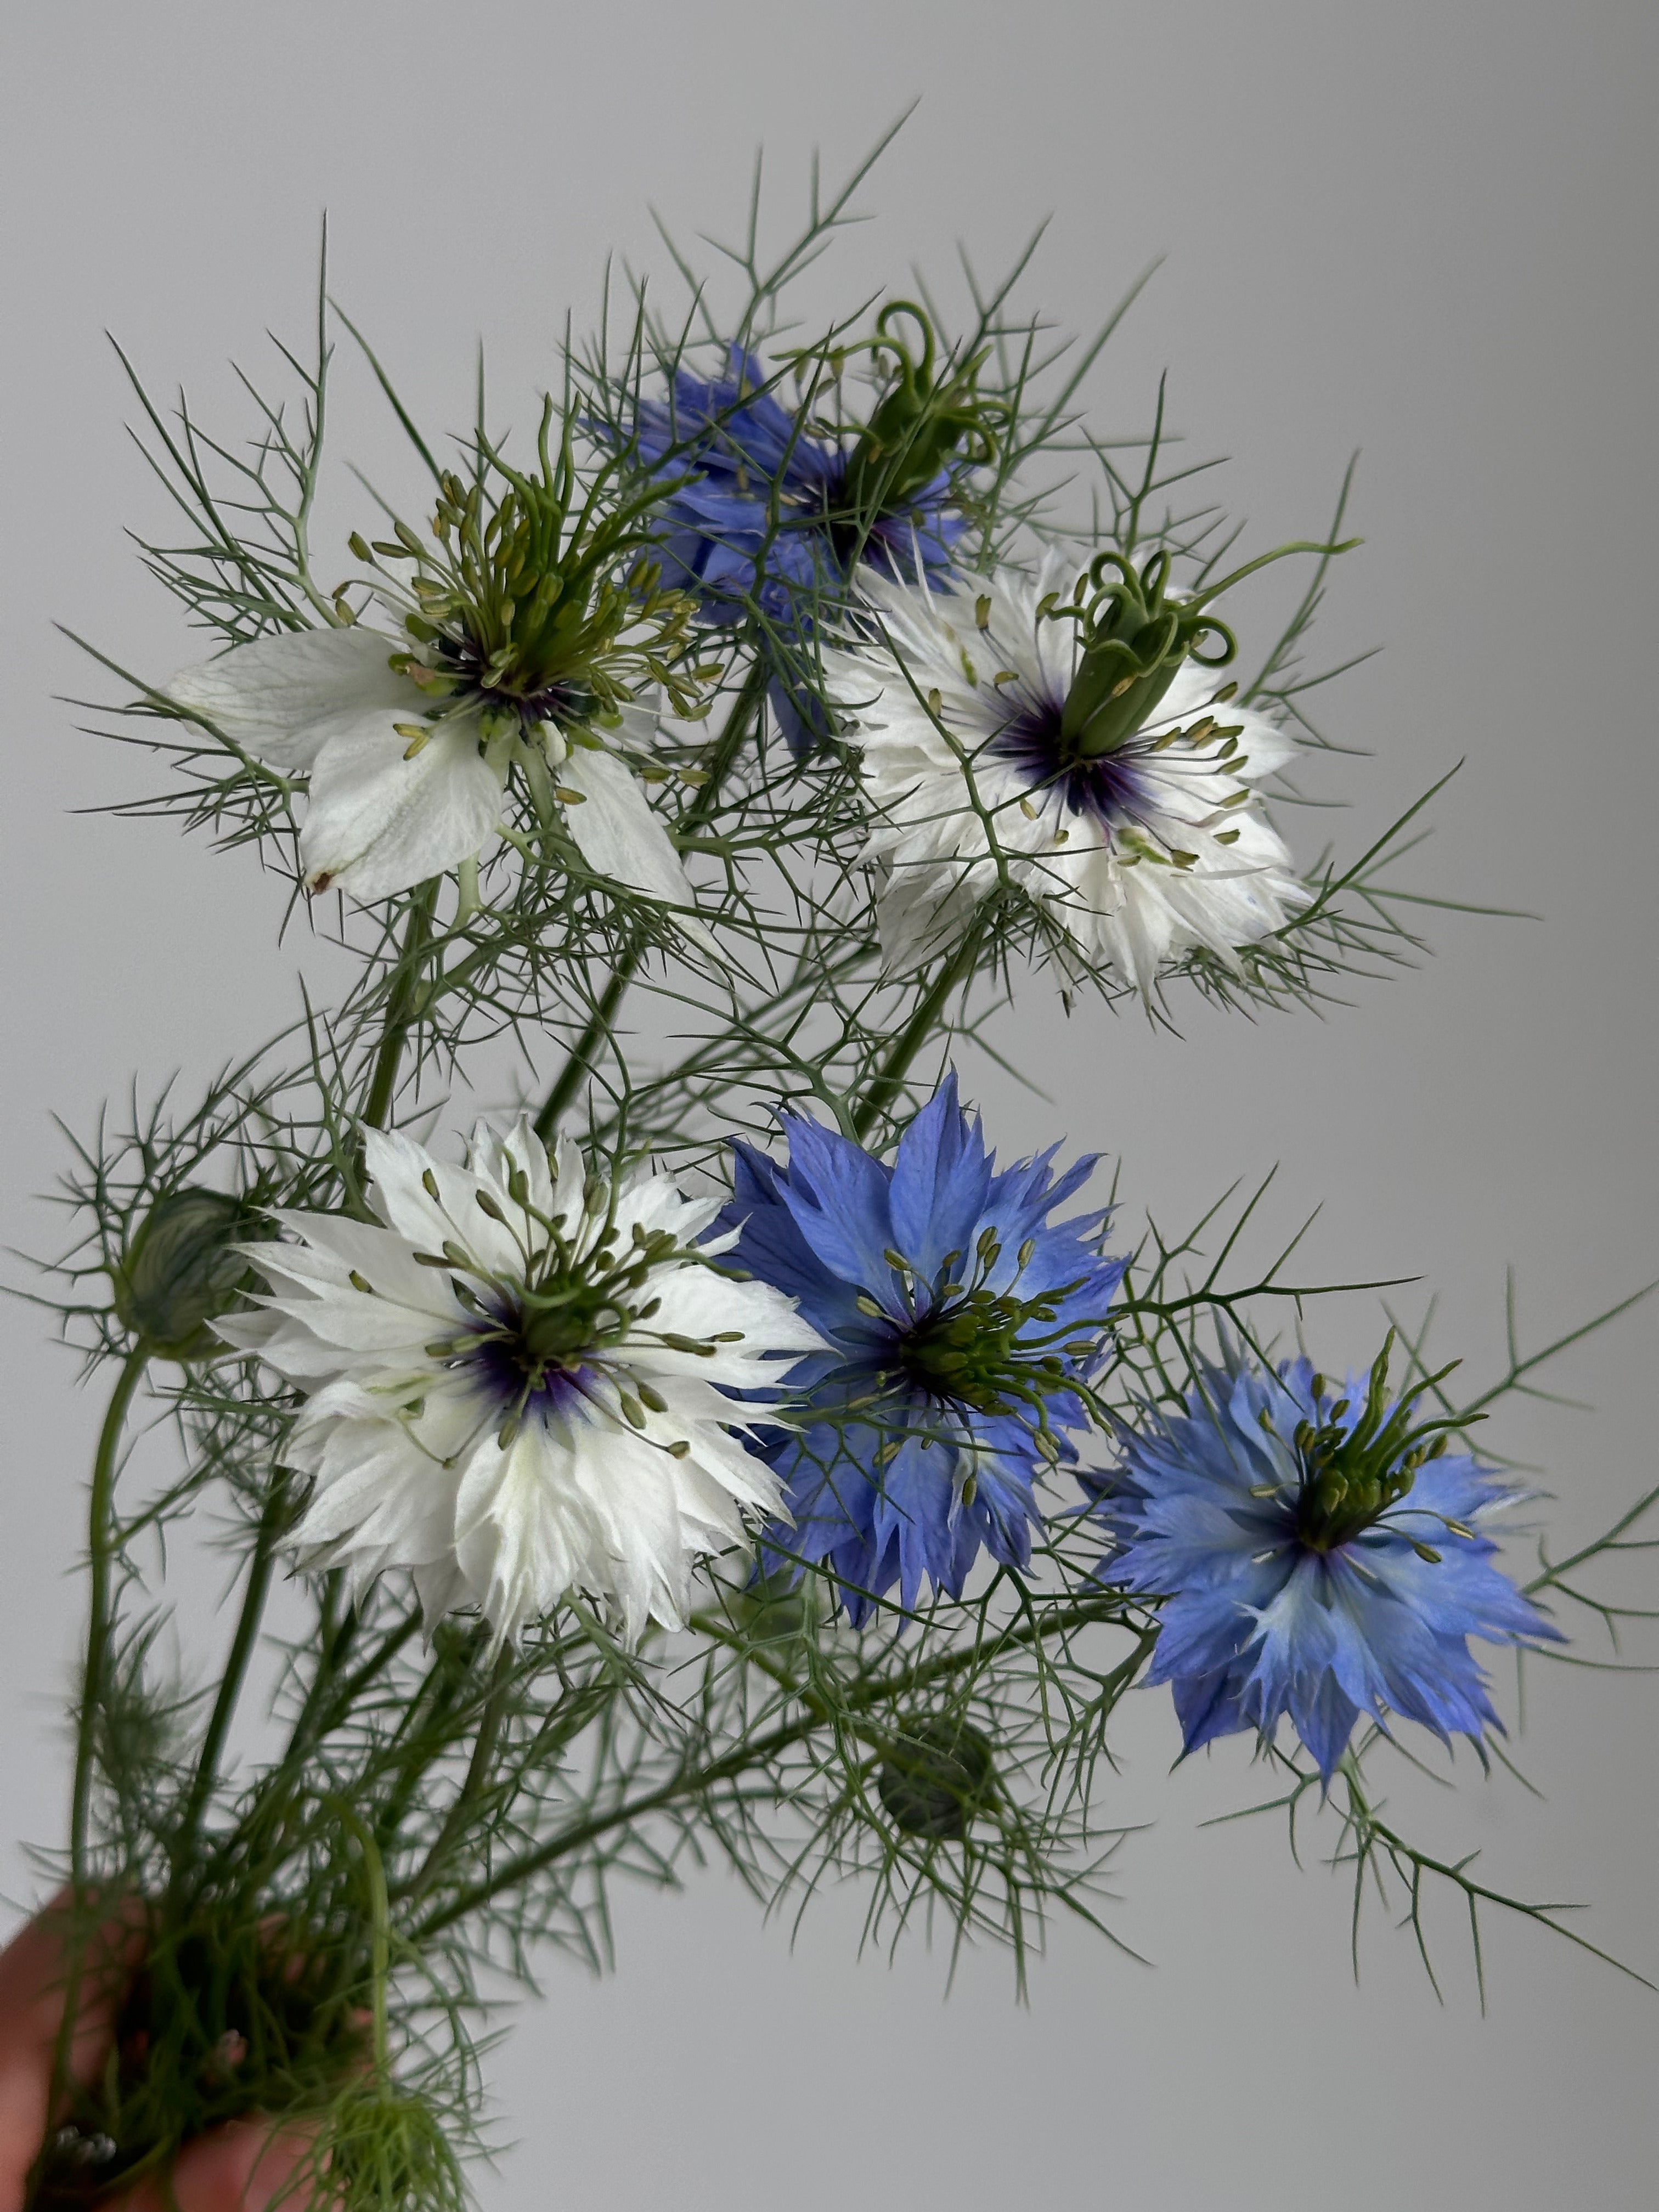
x=401, y=1011
x=379, y=1917
x=99, y=1561
x=241, y=1651
x=579, y=1066
x=743, y=1756
x=100, y=1554
x=490, y=1723
x=916, y=1033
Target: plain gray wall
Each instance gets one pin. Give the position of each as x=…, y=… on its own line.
x=1425, y=230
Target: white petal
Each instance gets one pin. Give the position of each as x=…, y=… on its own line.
x=377, y=823
x=616, y=831
x=637, y=727
x=523, y=1533
x=399, y=1169
x=386, y=1260
x=276, y=698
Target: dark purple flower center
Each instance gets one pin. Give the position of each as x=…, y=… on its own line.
x=535, y=1355
x=500, y=1370
x=1112, y=786
x=566, y=701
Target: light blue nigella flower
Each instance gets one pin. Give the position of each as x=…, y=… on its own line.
x=772, y=519
x=964, y=1321
x=1318, y=1551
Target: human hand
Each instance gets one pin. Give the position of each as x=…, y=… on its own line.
x=241, y=2167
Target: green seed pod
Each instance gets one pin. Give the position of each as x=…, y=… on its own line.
x=181, y=1270
x=772, y=1609
x=940, y=1777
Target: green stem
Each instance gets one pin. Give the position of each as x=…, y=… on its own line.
x=401, y=1011
x=545, y=1854
x=379, y=1914
x=579, y=1066
x=241, y=1651
x=916, y=1033
x=99, y=1554
x=100, y=1557
x=478, y=1774
x=324, y=1701
x=781, y=1739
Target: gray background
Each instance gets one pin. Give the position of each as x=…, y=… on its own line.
x=1426, y=230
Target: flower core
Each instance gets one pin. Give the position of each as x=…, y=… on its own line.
x=1354, y=1473
x=1134, y=639
x=1109, y=787
x=539, y=1342
x=924, y=424
x=975, y=1348
x=542, y=608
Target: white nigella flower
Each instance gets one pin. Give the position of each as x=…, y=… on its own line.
x=394, y=799
x=1110, y=770
x=521, y=650
x=523, y=1383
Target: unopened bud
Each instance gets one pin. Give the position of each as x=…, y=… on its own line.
x=939, y=1775
x=182, y=1270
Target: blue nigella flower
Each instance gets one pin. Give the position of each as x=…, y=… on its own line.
x=769, y=520
x=965, y=1325
x=1318, y=1547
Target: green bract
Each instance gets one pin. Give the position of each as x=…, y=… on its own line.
x=939, y=1775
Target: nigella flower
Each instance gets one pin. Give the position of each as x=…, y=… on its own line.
x=963, y=1325
x=1320, y=1554
x=522, y=1380
x=1083, y=751
x=522, y=651
x=769, y=514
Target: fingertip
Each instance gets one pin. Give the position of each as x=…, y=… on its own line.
x=246, y=2167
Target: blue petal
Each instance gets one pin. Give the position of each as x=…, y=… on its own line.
x=837, y=1196
x=941, y=1175
x=1256, y=1622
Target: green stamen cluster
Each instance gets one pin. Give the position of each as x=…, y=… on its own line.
x=534, y=601
x=1135, y=637
x=991, y=1350
x=1135, y=634
x=568, y=1306
x=1353, y=1477
x=922, y=421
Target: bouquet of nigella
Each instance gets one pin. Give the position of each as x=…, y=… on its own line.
x=720, y=1449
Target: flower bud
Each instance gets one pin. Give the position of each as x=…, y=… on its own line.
x=938, y=1778
x=182, y=1269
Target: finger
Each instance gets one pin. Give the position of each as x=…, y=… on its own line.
x=32, y=1978
x=242, y=2167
